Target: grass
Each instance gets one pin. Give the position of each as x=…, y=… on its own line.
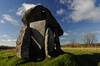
x=72, y=57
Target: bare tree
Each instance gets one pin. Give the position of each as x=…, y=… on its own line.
x=72, y=42
x=89, y=38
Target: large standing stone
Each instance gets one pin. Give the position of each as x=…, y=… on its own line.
x=36, y=38
x=38, y=30
x=30, y=43
x=22, y=43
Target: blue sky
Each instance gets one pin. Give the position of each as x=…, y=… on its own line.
x=76, y=17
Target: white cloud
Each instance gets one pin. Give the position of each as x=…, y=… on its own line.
x=96, y=32
x=23, y=8
x=81, y=10
x=62, y=38
x=4, y=35
x=10, y=19
x=85, y=10
x=69, y=31
x=65, y=34
x=2, y=21
x=60, y=11
x=65, y=1
x=11, y=40
x=7, y=40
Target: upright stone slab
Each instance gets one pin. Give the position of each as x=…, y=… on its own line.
x=38, y=30
x=22, y=43
x=30, y=42
x=43, y=36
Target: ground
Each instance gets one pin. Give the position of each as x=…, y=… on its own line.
x=72, y=57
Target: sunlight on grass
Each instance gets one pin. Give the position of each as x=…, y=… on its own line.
x=72, y=57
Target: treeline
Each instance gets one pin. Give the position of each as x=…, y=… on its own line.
x=6, y=47
x=88, y=40
x=78, y=45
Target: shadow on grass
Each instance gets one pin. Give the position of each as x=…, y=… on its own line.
x=79, y=60
x=86, y=59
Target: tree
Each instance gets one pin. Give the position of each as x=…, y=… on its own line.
x=89, y=38
x=72, y=42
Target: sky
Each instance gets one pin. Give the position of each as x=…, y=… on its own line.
x=76, y=17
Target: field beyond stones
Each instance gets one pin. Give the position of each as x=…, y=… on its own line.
x=72, y=57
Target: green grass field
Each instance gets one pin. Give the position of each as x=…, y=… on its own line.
x=72, y=57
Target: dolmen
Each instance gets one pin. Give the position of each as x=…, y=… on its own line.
x=39, y=37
